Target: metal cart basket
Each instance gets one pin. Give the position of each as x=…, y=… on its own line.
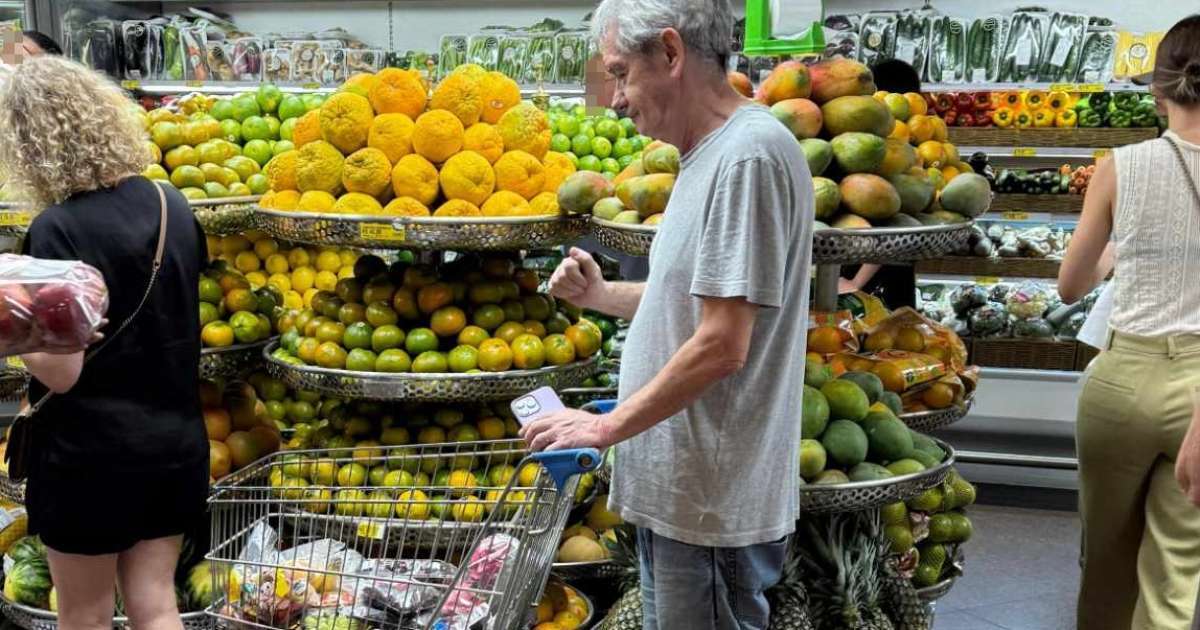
x=448, y=536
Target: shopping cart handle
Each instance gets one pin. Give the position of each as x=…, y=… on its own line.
x=601, y=406
x=564, y=464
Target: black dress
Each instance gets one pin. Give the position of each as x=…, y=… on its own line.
x=123, y=456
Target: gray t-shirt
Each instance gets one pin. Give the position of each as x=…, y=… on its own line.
x=725, y=471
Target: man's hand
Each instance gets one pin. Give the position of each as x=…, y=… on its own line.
x=1187, y=462
x=569, y=428
x=578, y=280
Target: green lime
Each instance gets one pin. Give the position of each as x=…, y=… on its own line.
x=625, y=160
x=609, y=165
x=231, y=130
x=588, y=128
x=579, y=111
x=589, y=163
x=210, y=291
x=420, y=341
x=386, y=337
x=208, y=313
x=222, y=109
x=358, y=335
x=560, y=142
x=287, y=128
x=568, y=125
x=488, y=316
x=623, y=147
x=258, y=184
x=361, y=360
x=429, y=362
x=245, y=326
x=581, y=145
x=628, y=126
x=601, y=147
x=608, y=128
x=393, y=360
x=463, y=358
x=291, y=106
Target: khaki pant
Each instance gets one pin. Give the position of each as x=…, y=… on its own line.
x=1141, y=537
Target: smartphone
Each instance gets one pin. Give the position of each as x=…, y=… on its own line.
x=537, y=403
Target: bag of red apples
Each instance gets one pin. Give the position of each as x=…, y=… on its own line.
x=48, y=305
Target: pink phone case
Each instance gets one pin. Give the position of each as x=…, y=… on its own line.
x=537, y=403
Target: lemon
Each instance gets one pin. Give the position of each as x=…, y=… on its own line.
x=463, y=480
x=277, y=263
x=292, y=299
x=246, y=262
x=491, y=428
x=528, y=475
x=328, y=260
x=264, y=248
x=345, y=272
x=303, y=278
x=299, y=257
x=257, y=279
x=326, y=280
x=234, y=243
x=280, y=281
x=348, y=257
x=412, y=504
x=469, y=510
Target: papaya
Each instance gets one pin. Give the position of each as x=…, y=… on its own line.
x=869, y=196
x=662, y=159
x=858, y=152
x=916, y=193
x=857, y=113
x=801, y=116
x=818, y=153
x=828, y=197
x=967, y=194
x=647, y=194
x=787, y=80
x=634, y=169
x=740, y=83
x=581, y=190
x=898, y=157
x=840, y=77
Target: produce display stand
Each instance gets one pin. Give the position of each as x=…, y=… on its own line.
x=1000, y=267
x=869, y=495
x=1021, y=202
x=934, y=419
x=631, y=239
x=227, y=215
x=1027, y=353
x=231, y=361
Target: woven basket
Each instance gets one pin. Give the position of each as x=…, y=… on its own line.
x=1016, y=202
x=1031, y=354
x=1101, y=138
x=993, y=267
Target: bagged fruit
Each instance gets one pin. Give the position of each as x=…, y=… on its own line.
x=909, y=331
x=946, y=391
x=900, y=370
x=831, y=333
x=48, y=305
x=867, y=310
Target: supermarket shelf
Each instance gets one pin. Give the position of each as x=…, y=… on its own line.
x=160, y=88
x=1020, y=374
x=1039, y=153
x=1050, y=137
x=1056, y=204
x=1016, y=459
x=990, y=267
x=1012, y=87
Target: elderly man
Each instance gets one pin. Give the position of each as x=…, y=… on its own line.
x=708, y=430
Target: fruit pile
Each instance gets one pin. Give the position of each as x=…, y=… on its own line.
x=604, y=143
x=561, y=608
x=876, y=160
x=471, y=315
x=589, y=541
x=850, y=433
x=963, y=109
x=240, y=430
x=383, y=146
x=211, y=147
x=927, y=530
x=639, y=194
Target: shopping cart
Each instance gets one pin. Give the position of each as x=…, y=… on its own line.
x=445, y=536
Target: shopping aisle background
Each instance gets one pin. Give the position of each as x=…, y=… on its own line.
x=1021, y=572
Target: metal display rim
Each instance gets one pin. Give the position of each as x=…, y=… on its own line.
x=429, y=233
x=934, y=419
x=592, y=570
x=465, y=385
x=835, y=246
x=14, y=383
x=866, y=495
x=231, y=361
x=632, y=239
x=934, y=592
x=224, y=201
x=31, y=618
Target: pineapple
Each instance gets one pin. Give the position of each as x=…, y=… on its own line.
x=900, y=599
x=626, y=614
x=841, y=556
x=789, y=598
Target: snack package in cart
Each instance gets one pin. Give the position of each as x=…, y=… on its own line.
x=48, y=305
x=488, y=566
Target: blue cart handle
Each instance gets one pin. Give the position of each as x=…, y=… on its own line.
x=564, y=464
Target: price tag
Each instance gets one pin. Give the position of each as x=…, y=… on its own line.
x=12, y=218
x=381, y=232
x=14, y=361
x=987, y=280
x=131, y=84
x=1101, y=153
x=1015, y=215
x=1024, y=152
x=1064, y=87
x=194, y=84
x=1091, y=88
x=311, y=85
x=370, y=529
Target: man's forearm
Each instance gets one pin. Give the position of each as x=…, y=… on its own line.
x=620, y=299
x=689, y=373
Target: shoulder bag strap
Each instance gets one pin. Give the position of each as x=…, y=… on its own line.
x=1187, y=172
x=158, y=259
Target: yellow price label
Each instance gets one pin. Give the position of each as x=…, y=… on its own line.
x=1024, y=152
x=1091, y=88
x=12, y=218
x=370, y=529
x=381, y=232
x=1015, y=215
x=311, y=85
x=130, y=84
x=1101, y=153
x=194, y=84
x=987, y=280
x=1064, y=87
x=14, y=361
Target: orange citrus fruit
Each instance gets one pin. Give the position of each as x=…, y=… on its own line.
x=472, y=336
x=585, y=336
x=447, y=321
x=938, y=396
x=330, y=355
x=825, y=340
x=528, y=352
x=509, y=330
x=559, y=349
x=432, y=297
x=217, y=334
x=404, y=302
x=495, y=355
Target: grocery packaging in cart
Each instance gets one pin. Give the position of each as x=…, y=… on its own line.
x=48, y=305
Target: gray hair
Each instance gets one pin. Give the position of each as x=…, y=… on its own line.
x=706, y=26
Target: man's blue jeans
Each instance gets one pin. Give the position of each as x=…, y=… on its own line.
x=688, y=587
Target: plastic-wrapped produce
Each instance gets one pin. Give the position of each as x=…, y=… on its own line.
x=1135, y=54
x=989, y=320
x=570, y=58
x=484, y=50
x=172, y=53
x=1035, y=327
x=999, y=293
x=219, y=62
x=1073, y=325
x=1027, y=301
x=1023, y=47
x=539, y=63
x=966, y=297
x=514, y=49
x=142, y=47
x=193, y=42
x=331, y=66
x=947, y=50
x=364, y=60
x=1063, y=46
x=101, y=46
x=1098, y=56
x=912, y=38
x=277, y=65
x=247, y=59
x=842, y=44
x=452, y=53
x=48, y=305
x=877, y=37
x=304, y=60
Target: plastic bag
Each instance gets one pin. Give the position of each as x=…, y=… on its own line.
x=570, y=58
x=910, y=331
x=218, y=61
x=143, y=49
x=1027, y=301
x=1063, y=45
x=947, y=50
x=901, y=371
x=966, y=297
x=829, y=333
x=48, y=305
x=403, y=587
x=247, y=58
x=193, y=41
x=990, y=319
x=866, y=309
x=877, y=37
x=452, y=53
x=488, y=565
x=324, y=560
x=985, y=41
x=484, y=50
x=912, y=38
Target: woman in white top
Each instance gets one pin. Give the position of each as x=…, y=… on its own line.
x=1141, y=536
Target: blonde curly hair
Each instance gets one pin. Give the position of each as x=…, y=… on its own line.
x=66, y=129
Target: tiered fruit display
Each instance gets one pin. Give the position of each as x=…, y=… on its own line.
x=239, y=428
x=211, y=147
x=472, y=315
x=561, y=608
x=383, y=146
x=876, y=161
x=638, y=195
x=927, y=531
x=604, y=143
x=851, y=433
x=591, y=539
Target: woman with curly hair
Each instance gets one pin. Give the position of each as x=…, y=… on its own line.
x=119, y=465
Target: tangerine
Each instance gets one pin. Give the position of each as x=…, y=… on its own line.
x=585, y=336
x=559, y=349
x=938, y=396
x=825, y=340
x=432, y=297
x=330, y=355
x=448, y=321
x=404, y=302
x=495, y=355
x=509, y=330
x=528, y=352
x=472, y=336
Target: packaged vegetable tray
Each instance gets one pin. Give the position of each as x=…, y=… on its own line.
x=48, y=305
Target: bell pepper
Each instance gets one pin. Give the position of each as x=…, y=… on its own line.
x=965, y=120
x=950, y=117
x=1066, y=119
x=1058, y=101
x=1011, y=100
x=1043, y=117
x=1119, y=118
x=1145, y=115
x=983, y=119
x=1098, y=101
x=964, y=102
x=943, y=103
x=1003, y=117
x=1033, y=99
x=1023, y=120
x=1126, y=101
x=1088, y=111
x=983, y=101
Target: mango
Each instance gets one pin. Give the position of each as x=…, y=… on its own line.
x=740, y=83
x=814, y=413
x=967, y=194
x=857, y=113
x=662, y=159
x=608, y=208
x=857, y=152
x=889, y=440
x=828, y=197
x=845, y=443
x=581, y=190
x=628, y=216
x=818, y=153
x=789, y=79
x=869, y=196
x=916, y=193
x=634, y=169
x=903, y=220
x=801, y=116
x=851, y=222
x=840, y=77
x=898, y=157
x=647, y=194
